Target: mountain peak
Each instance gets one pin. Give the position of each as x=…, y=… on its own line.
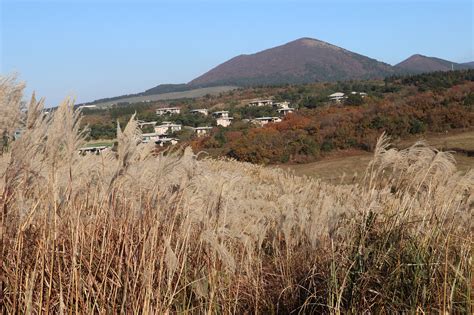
x=311, y=42
x=417, y=56
x=300, y=61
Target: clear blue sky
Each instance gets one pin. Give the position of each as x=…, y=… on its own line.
x=103, y=48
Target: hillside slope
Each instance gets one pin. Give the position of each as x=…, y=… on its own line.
x=300, y=61
x=420, y=63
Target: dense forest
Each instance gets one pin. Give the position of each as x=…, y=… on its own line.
x=399, y=106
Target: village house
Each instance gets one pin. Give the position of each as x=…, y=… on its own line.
x=265, y=120
x=166, y=141
x=156, y=138
x=93, y=149
x=147, y=137
x=202, y=131
x=168, y=111
x=337, y=97
x=203, y=111
x=260, y=102
x=284, y=111
x=222, y=118
x=362, y=94
x=167, y=127
x=282, y=105
x=283, y=108
x=142, y=124
x=87, y=106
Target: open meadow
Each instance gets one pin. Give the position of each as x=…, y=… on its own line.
x=134, y=231
x=349, y=166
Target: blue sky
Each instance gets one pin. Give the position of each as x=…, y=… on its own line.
x=103, y=48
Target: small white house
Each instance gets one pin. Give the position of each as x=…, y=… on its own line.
x=363, y=94
x=167, y=127
x=221, y=114
x=284, y=111
x=265, y=120
x=88, y=106
x=224, y=121
x=260, y=102
x=202, y=131
x=168, y=111
x=337, y=97
x=222, y=118
x=202, y=111
x=282, y=105
x=142, y=124
x=166, y=141
x=93, y=149
x=147, y=137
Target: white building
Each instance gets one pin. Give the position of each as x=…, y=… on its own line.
x=202, y=131
x=260, y=102
x=158, y=138
x=284, y=111
x=166, y=141
x=222, y=118
x=265, y=120
x=337, y=97
x=282, y=105
x=222, y=114
x=142, y=124
x=168, y=111
x=167, y=127
x=224, y=121
x=88, y=106
x=93, y=149
x=363, y=94
x=147, y=137
x=203, y=111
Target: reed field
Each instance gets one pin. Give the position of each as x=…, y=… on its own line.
x=135, y=231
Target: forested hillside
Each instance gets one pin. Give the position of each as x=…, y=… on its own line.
x=400, y=106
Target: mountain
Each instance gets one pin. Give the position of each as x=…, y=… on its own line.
x=469, y=65
x=419, y=64
x=304, y=60
x=300, y=61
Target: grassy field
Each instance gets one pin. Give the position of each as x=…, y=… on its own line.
x=171, y=96
x=135, y=232
x=447, y=141
x=349, y=166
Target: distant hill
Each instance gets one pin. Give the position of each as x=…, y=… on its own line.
x=469, y=64
x=189, y=92
x=419, y=64
x=159, y=89
x=304, y=60
x=300, y=61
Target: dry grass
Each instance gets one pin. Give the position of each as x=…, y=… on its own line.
x=132, y=232
x=345, y=168
x=349, y=166
x=446, y=141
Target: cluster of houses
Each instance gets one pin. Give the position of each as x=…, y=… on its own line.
x=162, y=133
x=339, y=96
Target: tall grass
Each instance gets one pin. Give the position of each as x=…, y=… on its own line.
x=136, y=232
